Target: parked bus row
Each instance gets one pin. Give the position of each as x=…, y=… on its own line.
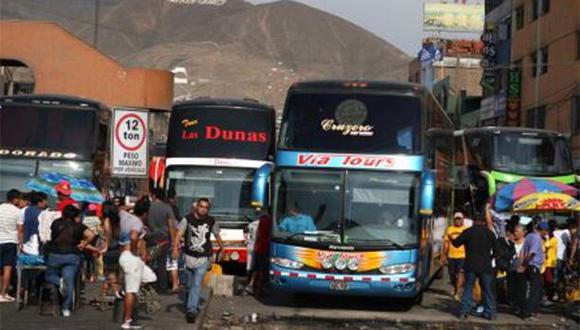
x=361, y=176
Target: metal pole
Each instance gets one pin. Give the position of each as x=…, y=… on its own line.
x=96, y=29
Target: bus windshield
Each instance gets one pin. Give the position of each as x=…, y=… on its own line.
x=352, y=122
x=531, y=155
x=350, y=207
x=380, y=206
x=15, y=172
x=228, y=189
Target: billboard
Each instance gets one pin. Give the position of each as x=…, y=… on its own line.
x=444, y=17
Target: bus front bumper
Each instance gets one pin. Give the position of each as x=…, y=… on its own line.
x=399, y=286
x=233, y=254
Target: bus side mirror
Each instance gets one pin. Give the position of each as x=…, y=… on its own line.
x=427, y=193
x=260, y=186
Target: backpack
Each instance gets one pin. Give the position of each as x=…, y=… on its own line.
x=504, y=254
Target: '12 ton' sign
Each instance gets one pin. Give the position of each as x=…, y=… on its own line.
x=345, y=160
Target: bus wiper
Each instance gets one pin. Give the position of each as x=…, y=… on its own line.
x=316, y=234
x=381, y=240
x=245, y=216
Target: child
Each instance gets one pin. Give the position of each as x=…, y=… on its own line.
x=94, y=260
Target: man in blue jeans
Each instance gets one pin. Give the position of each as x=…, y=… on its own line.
x=197, y=228
x=480, y=246
x=532, y=255
x=69, y=238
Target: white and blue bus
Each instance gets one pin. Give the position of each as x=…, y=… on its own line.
x=362, y=171
x=214, y=149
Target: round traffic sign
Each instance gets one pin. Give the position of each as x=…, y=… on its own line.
x=130, y=132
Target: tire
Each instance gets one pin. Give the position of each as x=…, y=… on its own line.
x=408, y=303
x=418, y=300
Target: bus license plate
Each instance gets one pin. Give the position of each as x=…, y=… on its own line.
x=339, y=285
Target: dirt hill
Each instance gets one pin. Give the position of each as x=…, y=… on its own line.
x=233, y=50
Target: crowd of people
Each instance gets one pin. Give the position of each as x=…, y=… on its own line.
x=521, y=262
x=504, y=259
x=145, y=243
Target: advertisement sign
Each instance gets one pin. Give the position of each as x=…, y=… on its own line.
x=513, y=97
x=492, y=107
x=353, y=161
x=129, y=143
x=221, y=132
x=489, y=60
x=453, y=17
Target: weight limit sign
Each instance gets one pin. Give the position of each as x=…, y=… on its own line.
x=129, y=143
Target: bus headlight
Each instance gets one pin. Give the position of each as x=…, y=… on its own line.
x=353, y=265
x=397, y=269
x=340, y=264
x=287, y=263
x=326, y=264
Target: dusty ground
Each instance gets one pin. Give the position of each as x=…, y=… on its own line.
x=437, y=311
x=284, y=311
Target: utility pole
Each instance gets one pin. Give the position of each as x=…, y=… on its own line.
x=539, y=56
x=96, y=29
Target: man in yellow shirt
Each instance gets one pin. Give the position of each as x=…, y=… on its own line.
x=453, y=256
x=549, y=267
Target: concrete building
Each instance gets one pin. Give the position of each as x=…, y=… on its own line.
x=546, y=47
x=43, y=58
x=496, y=80
x=457, y=78
x=60, y=63
x=461, y=64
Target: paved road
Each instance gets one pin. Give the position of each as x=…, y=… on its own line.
x=283, y=311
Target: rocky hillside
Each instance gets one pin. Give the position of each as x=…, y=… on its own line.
x=229, y=48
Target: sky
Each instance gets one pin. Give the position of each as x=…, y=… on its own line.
x=399, y=22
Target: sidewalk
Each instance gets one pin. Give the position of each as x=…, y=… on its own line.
x=170, y=316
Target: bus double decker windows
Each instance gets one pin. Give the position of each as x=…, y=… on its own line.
x=352, y=122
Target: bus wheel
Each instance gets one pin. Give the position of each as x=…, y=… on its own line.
x=409, y=303
x=418, y=300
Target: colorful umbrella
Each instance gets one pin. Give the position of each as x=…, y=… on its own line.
x=546, y=202
x=510, y=193
x=82, y=190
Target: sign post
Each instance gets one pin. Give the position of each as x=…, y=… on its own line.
x=129, y=143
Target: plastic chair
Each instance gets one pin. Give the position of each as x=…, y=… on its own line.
x=53, y=299
x=21, y=271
